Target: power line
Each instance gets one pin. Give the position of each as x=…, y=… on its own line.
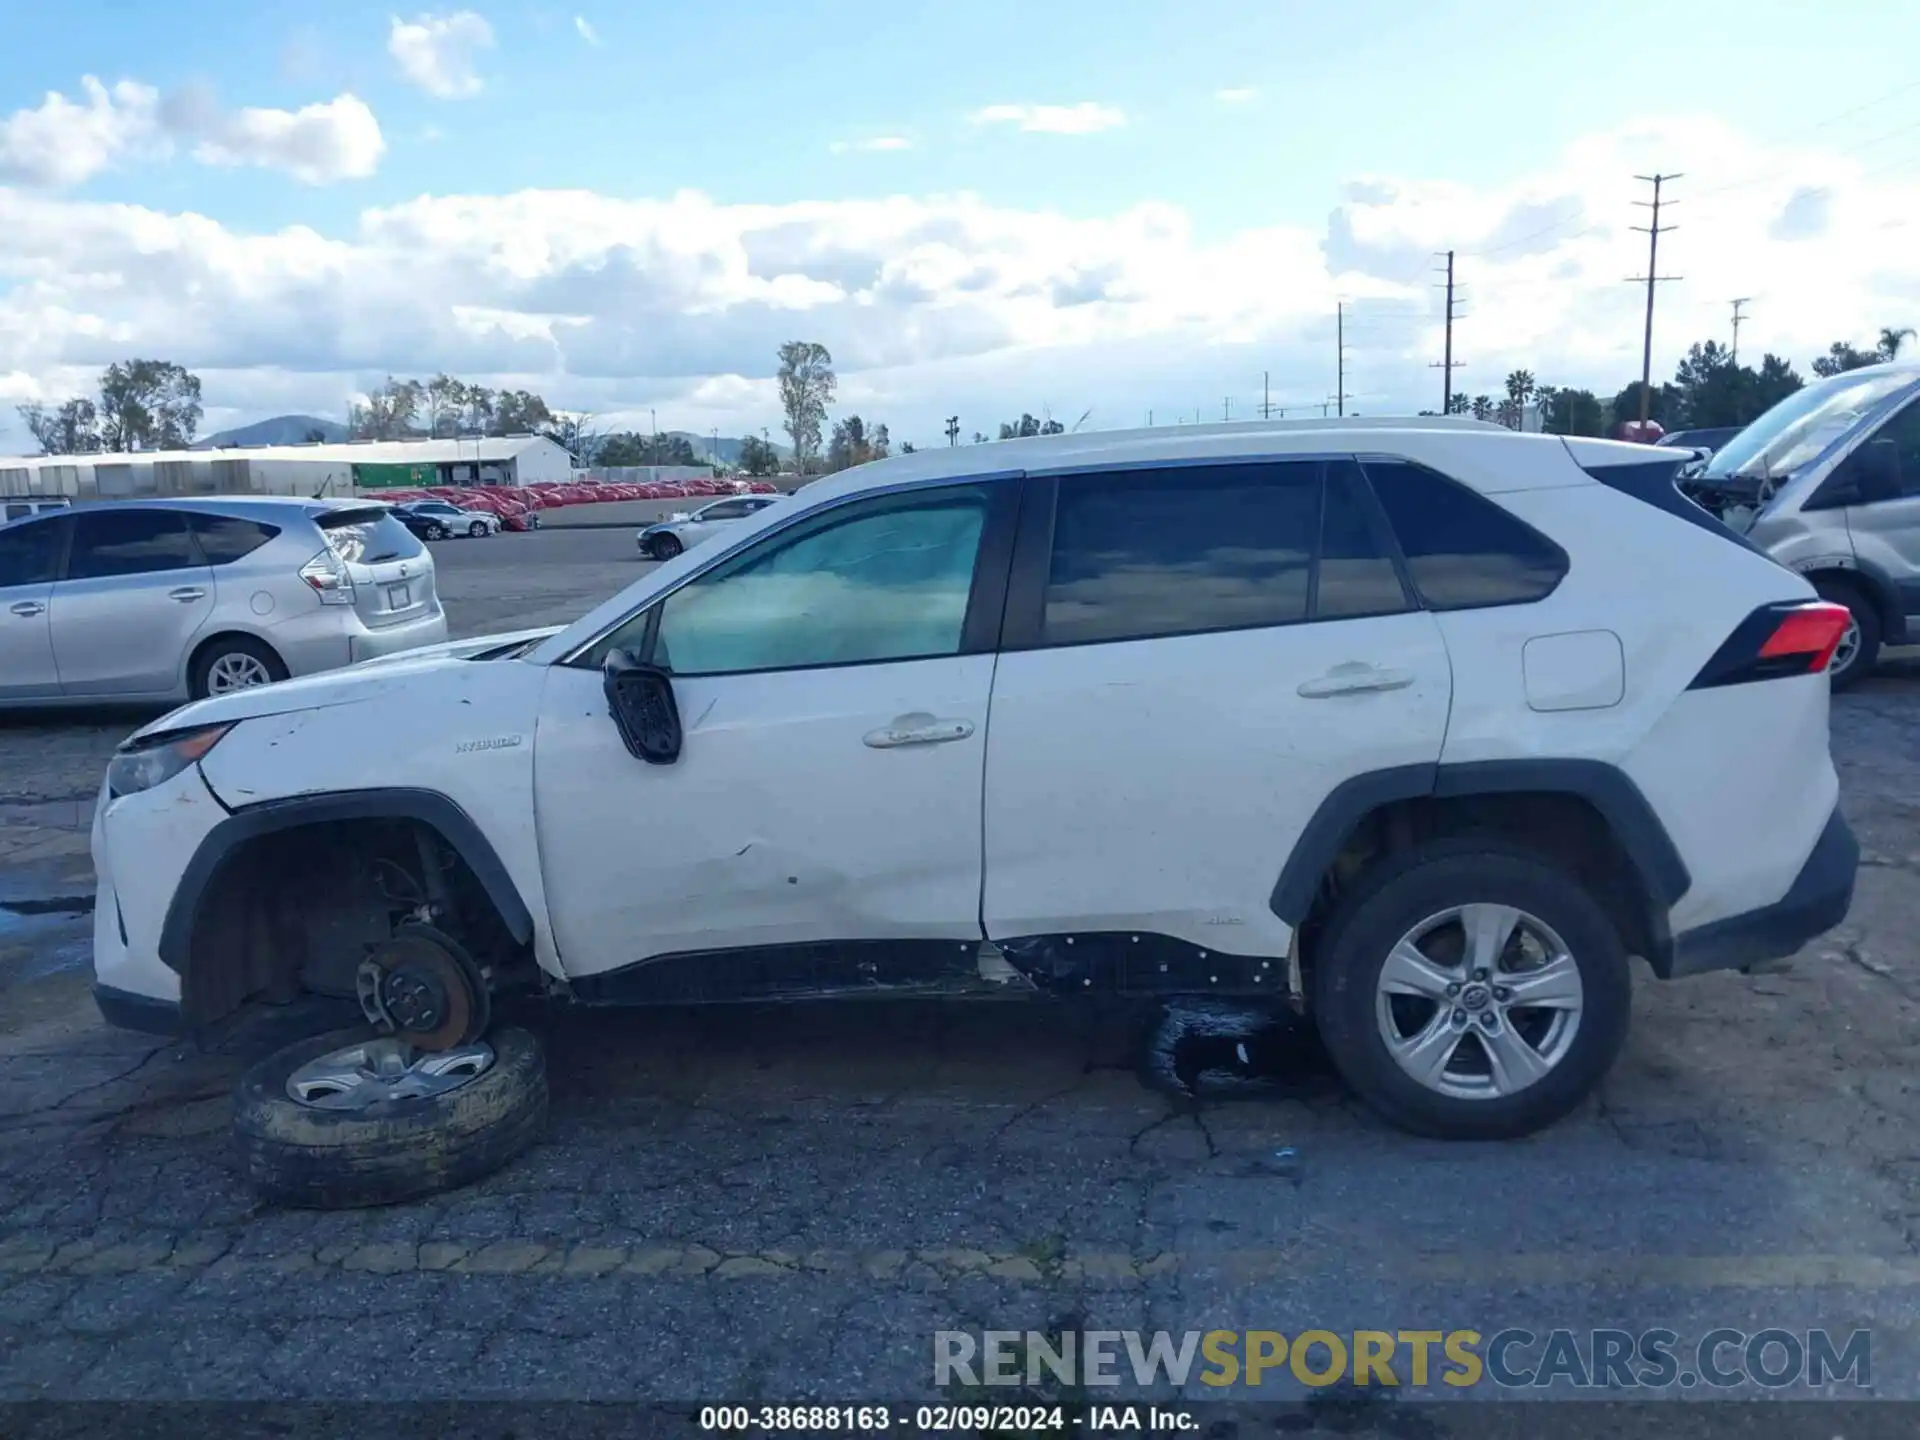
x=1653, y=232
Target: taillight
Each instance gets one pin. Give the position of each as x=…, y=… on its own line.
x=1790, y=638
x=328, y=578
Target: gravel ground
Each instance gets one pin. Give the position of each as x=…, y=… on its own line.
x=769, y=1206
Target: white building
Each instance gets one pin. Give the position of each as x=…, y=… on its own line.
x=291, y=469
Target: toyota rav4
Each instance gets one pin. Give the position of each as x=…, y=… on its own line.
x=1424, y=728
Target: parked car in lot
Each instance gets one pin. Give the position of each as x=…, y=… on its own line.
x=16, y=509
x=1827, y=482
x=437, y=519
x=684, y=531
x=156, y=600
x=1421, y=727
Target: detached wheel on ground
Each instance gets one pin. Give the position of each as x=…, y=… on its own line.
x=346, y=1119
x=1468, y=990
x=1859, y=649
x=233, y=662
x=664, y=547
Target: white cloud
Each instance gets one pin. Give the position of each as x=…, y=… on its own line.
x=1237, y=95
x=317, y=144
x=440, y=53
x=66, y=143
x=933, y=304
x=587, y=32
x=876, y=144
x=62, y=143
x=1086, y=118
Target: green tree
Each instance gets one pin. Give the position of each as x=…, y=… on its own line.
x=443, y=404
x=520, y=412
x=70, y=428
x=1519, y=388
x=1776, y=380
x=1483, y=407
x=757, y=457
x=1663, y=406
x=1891, y=340
x=1842, y=357
x=1026, y=427
x=1568, y=411
x=387, y=412
x=148, y=405
x=807, y=385
x=1458, y=404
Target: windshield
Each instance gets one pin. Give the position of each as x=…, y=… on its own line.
x=1805, y=423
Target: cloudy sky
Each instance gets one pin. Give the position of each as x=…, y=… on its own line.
x=1117, y=208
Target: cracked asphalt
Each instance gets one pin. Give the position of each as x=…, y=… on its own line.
x=770, y=1205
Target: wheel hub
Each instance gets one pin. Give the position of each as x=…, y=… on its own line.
x=422, y=987
x=1475, y=997
x=374, y=1072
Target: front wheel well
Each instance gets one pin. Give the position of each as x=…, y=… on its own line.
x=295, y=910
x=1565, y=828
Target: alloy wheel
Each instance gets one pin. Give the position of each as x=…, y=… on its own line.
x=1479, y=1002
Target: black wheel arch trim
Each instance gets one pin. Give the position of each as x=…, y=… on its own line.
x=1606, y=787
x=250, y=822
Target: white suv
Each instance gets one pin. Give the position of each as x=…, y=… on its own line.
x=1425, y=727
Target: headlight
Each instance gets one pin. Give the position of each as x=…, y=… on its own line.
x=143, y=764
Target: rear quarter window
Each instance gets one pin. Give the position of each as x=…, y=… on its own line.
x=1462, y=550
x=225, y=539
x=368, y=537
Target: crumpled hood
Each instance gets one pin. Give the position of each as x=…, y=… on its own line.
x=347, y=686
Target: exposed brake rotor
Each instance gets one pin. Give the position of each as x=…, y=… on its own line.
x=423, y=986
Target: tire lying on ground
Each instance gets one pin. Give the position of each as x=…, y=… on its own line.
x=394, y=1147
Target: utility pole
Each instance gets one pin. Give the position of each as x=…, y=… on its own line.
x=1266, y=395
x=1448, y=365
x=1653, y=231
x=1340, y=349
x=1149, y=419
x=1737, y=318
x=953, y=430
x=1226, y=410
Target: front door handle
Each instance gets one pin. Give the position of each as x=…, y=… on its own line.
x=1355, y=680
x=186, y=594
x=918, y=730
x=27, y=609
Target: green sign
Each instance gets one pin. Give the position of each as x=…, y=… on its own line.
x=395, y=477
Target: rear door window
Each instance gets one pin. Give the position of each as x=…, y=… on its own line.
x=30, y=554
x=225, y=538
x=368, y=537
x=1462, y=550
x=109, y=543
x=1180, y=551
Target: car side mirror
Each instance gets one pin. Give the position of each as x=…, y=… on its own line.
x=640, y=698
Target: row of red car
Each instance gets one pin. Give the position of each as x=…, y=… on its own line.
x=518, y=505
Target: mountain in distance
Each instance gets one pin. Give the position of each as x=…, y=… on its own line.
x=278, y=430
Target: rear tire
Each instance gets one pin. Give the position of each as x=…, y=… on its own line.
x=396, y=1150
x=1376, y=919
x=436, y=532
x=664, y=547
x=225, y=662
x=1864, y=654
x=477, y=529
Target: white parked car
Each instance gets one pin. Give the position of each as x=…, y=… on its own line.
x=1421, y=726
x=683, y=531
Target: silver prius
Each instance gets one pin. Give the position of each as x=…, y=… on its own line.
x=166, y=600
x=683, y=532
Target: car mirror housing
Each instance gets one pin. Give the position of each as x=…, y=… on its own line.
x=640, y=699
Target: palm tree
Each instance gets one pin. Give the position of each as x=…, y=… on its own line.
x=1483, y=407
x=1519, y=387
x=1891, y=340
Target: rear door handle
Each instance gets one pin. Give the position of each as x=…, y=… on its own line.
x=918, y=730
x=27, y=609
x=1355, y=680
x=186, y=594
